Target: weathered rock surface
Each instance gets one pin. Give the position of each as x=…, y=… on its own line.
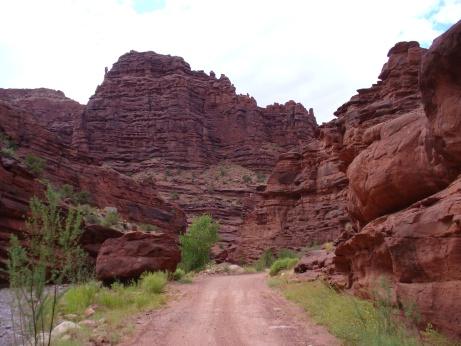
x=407, y=212
x=127, y=257
x=308, y=192
x=441, y=89
x=400, y=167
x=419, y=251
x=202, y=145
x=136, y=201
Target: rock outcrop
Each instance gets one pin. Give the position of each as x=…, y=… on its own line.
x=405, y=196
x=310, y=190
x=136, y=201
x=189, y=134
x=134, y=253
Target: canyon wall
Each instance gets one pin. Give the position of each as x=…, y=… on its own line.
x=189, y=135
x=34, y=131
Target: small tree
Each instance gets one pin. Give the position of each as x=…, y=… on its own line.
x=197, y=242
x=41, y=263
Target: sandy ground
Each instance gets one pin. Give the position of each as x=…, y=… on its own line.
x=228, y=311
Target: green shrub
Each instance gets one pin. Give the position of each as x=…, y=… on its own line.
x=287, y=253
x=52, y=257
x=148, y=228
x=35, y=164
x=79, y=297
x=111, y=219
x=8, y=151
x=282, y=264
x=178, y=274
x=247, y=179
x=81, y=197
x=260, y=177
x=153, y=282
x=197, y=242
x=66, y=191
x=265, y=261
x=174, y=196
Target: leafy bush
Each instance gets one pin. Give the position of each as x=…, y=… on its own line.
x=178, y=274
x=197, y=242
x=153, y=282
x=111, y=219
x=81, y=197
x=265, y=261
x=282, y=264
x=49, y=257
x=35, y=164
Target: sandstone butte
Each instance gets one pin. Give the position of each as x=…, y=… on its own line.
x=163, y=143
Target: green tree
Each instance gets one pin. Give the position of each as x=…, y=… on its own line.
x=197, y=242
x=38, y=266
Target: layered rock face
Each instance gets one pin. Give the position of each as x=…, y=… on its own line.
x=405, y=197
x=306, y=198
x=189, y=134
x=136, y=201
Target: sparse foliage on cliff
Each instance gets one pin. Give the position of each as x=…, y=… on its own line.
x=34, y=164
x=50, y=256
x=197, y=242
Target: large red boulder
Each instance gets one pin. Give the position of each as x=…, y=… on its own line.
x=419, y=250
x=134, y=253
x=400, y=167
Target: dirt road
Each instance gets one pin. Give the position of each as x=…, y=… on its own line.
x=228, y=311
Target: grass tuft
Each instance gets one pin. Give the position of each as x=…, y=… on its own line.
x=154, y=282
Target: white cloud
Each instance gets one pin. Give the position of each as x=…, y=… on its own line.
x=317, y=53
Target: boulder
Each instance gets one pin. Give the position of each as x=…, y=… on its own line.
x=419, y=251
x=399, y=168
x=134, y=253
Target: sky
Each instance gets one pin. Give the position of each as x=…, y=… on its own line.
x=314, y=52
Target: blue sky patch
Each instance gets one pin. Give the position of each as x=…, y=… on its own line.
x=143, y=6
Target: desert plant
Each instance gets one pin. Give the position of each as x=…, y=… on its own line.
x=197, y=242
x=174, y=196
x=247, y=179
x=153, y=282
x=282, y=264
x=328, y=247
x=8, y=151
x=110, y=219
x=81, y=197
x=260, y=177
x=37, y=266
x=265, y=261
x=178, y=274
x=148, y=227
x=34, y=164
